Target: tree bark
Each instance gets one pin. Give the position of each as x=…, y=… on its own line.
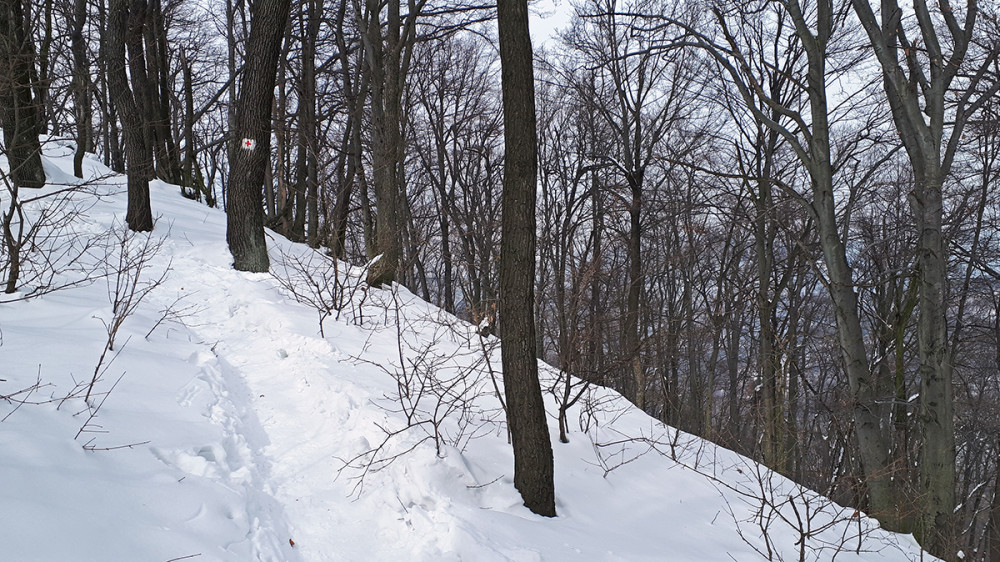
x=388, y=58
x=168, y=161
x=350, y=165
x=40, y=78
x=533, y=467
x=630, y=338
x=83, y=111
x=383, y=58
x=125, y=21
x=917, y=97
x=245, y=212
x=994, y=521
x=18, y=111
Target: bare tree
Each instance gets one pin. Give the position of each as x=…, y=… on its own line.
x=808, y=133
x=642, y=96
x=533, y=468
x=250, y=145
x=456, y=130
x=388, y=48
x=82, y=87
x=18, y=109
x=933, y=84
x=126, y=19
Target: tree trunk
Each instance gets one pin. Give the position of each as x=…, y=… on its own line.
x=309, y=122
x=767, y=355
x=917, y=98
x=251, y=148
x=168, y=162
x=872, y=445
x=351, y=157
x=81, y=85
x=994, y=521
x=631, y=340
x=772, y=415
x=937, y=410
x=193, y=183
x=114, y=155
x=384, y=59
x=18, y=111
x=40, y=77
x=533, y=468
x=733, y=437
x=125, y=22
x=596, y=343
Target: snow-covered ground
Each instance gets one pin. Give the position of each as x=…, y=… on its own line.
x=229, y=429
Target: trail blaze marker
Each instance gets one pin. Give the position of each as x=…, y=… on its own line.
x=249, y=144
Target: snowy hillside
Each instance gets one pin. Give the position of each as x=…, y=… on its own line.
x=223, y=426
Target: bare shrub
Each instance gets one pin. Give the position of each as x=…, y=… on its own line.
x=773, y=506
x=24, y=396
x=45, y=245
x=316, y=280
x=127, y=257
x=822, y=528
x=438, y=391
x=567, y=390
x=313, y=281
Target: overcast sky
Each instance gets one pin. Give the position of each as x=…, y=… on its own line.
x=547, y=17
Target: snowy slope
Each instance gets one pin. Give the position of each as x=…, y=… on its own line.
x=230, y=429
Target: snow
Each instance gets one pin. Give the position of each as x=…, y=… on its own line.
x=229, y=429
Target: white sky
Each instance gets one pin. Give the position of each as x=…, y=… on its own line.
x=546, y=18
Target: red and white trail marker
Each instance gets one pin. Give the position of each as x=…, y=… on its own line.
x=249, y=144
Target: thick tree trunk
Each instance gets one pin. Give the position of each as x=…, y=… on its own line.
x=168, y=162
x=384, y=59
x=18, y=111
x=916, y=98
x=125, y=22
x=533, y=468
x=937, y=410
x=252, y=138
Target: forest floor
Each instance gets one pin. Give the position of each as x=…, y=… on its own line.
x=222, y=425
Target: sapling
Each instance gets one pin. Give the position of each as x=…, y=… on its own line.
x=127, y=257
